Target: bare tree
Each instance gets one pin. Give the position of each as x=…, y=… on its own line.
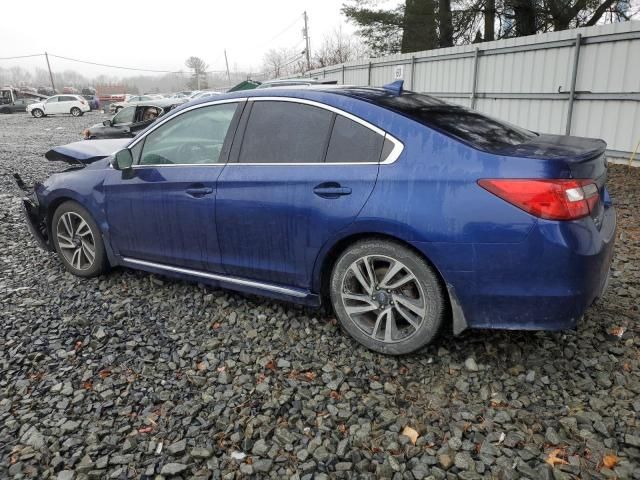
x=199, y=68
x=18, y=76
x=338, y=47
x=281, y=62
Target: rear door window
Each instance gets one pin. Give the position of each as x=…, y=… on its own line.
x=285, y=132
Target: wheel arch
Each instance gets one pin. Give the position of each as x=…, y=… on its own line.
x=322, y=275
x=67, y=196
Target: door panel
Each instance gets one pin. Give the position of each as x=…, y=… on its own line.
x=153, y=217
x=163, y=210
x=271, y=223
x=51, y=107
x=278, y=201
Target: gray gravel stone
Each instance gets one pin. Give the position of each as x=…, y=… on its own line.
x=177, y=448
x=121, y=376
x=470, y=364
x=171, y=469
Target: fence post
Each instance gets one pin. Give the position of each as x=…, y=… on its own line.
x=474, y=85
x=413, y=67
x=343, y=74
x=574, y=79
x=369, y=75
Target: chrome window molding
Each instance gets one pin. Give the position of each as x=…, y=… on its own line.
x=395, y=153
x=217, y=277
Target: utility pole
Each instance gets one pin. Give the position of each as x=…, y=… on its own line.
x=227, y=63
x=50, y=74
x=306, y=38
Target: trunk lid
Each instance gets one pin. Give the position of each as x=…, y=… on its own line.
x=85, y=152
x=583, y=157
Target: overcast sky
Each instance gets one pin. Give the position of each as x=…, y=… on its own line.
x=161, y=35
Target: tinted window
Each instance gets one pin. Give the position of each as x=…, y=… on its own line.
x=475, y=128
x=124, y=116
x=68, y=99
x=285, y=132
x=352, y=142
x=195, y=137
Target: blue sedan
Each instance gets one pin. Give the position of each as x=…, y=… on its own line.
x=400, y=211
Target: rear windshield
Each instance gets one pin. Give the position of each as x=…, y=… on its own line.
x=478, y=130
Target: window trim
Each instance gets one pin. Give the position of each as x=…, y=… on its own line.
x=393, y=156
x=397, y=149
x=194, y=107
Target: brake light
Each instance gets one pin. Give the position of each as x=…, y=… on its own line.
x=550, y=199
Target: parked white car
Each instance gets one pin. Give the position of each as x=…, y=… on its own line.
x=132, y=100
x=59, y=104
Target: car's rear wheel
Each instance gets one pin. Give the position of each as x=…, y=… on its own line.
x=387, y=297
x=36, y=112
x=78, y=241
x=5, y=110
x=76, y=112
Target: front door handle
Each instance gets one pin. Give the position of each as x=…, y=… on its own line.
x=199, y=191
x=331, y=190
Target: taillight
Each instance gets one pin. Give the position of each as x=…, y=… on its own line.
x=550, y=199
x=83, y=102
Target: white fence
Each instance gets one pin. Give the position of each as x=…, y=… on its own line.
x=585, y=81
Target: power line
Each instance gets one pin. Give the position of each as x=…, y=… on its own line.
x=22, y=56
x=291, y=25
x=113, y=66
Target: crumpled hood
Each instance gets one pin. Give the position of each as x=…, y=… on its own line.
x=86, y=151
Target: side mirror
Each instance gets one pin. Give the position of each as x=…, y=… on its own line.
x=123, y=160
x=107, y=123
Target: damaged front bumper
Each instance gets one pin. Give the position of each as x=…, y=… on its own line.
x=35, y=215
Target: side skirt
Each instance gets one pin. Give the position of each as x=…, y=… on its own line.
x=233, y=283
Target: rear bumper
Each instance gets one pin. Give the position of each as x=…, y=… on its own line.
x=543, y=283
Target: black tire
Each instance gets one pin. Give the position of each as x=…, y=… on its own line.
x=100, y=263
x=5, y=110
x=424, y=289
x=36, y=112
x=76, y=112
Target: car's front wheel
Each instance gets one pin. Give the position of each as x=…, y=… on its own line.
x=36, y=112
x=387, y=297
x=76, y=112
x=78, y=241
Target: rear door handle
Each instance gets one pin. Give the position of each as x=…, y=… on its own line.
x=331, y=190
x=199, y=191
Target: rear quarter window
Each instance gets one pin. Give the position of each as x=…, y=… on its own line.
x=353, y=143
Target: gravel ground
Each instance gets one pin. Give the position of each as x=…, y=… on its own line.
x=133, y=375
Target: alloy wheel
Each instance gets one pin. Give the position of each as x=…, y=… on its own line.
x=383, y=298
x=76, y=241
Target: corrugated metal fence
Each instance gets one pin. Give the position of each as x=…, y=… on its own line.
x=585, y=81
